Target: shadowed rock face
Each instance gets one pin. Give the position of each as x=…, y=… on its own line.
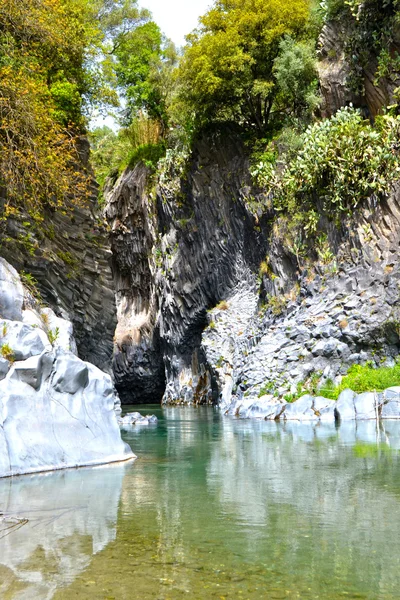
x=138, y=365
x=173, y=260
x=70, y=256
x=334, y=71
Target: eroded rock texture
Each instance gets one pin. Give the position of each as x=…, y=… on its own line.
x=178, y=253
x=337, y=316
x=205, y=246
x=335, y=74
x=70, y=256
x=131, y=212
x=56, y=410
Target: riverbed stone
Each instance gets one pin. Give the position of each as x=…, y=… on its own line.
x=391, y=403
x=366, y=405
x=344, y=408
x=301, y=410
x=136, y=418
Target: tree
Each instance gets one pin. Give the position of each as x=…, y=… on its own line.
x=296, y=79
x=145, y=60
x=55, y=64
x=227, y=71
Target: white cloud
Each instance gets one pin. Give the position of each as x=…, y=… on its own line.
x=177, y=18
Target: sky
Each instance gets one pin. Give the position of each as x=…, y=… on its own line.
x=176, y=18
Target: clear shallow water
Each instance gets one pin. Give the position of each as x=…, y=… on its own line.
x=213, y=508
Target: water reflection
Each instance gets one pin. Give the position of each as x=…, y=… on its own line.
x=71, y=515
x=215, y=508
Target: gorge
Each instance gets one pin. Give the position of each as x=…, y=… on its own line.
x=213, y=289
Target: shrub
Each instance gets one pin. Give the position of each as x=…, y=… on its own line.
x=31, y=283
x=53, y=335
x=148, y=154
x=343, y=161
x=365, y=378
x=7, y=352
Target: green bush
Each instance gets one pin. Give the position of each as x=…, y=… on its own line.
x=364, y=378
x=7, y=352
x=148, y=154
x=343, y=161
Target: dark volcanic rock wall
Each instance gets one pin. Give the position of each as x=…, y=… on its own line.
x=174, y=260
x=192, y=243
x=138, y=365
x=335, y=72
x=69, y=255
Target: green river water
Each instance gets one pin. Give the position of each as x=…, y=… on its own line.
x=214, y=507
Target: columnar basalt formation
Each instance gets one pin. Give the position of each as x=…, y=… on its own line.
x=176, y=255
x=69, y=255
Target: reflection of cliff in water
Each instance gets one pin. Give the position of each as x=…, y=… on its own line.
x=71, y=515
x=326, y=500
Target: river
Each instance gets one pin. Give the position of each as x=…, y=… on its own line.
x=214, y=507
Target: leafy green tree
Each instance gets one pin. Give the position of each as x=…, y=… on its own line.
x=56, y=62
x=145, y=60
x=296, y=79
x=227, y=71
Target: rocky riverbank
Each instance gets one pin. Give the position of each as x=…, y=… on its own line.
x=56, y=410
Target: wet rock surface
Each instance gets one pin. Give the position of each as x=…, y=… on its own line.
x=349, y=407
x=136, y=418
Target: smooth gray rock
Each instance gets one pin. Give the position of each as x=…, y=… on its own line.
x=391, y=403
x=366, y=406
x=301, y=410
x=27, y=371
x=11, y=292
x=325, y=409
x=71, y=374
x=45, y=426
x=268, y=409
x=24, y=340
x=135, y=418
x=62, y=329
x=4, y=367
x=344, y=409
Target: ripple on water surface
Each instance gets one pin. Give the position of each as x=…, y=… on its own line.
x=213, y=508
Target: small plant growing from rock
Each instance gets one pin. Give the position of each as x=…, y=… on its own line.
x=223, y=305
x=29, y=281
x=53, y=335
x=277, y=304
x=4, y=330
x=45, y=319
x=7, y=352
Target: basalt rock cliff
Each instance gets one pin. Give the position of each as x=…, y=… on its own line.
x=68, y=253
x=198, y=322
x=179, y=248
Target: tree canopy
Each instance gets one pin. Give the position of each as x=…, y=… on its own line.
x=145, y=60
x=55, y=63
x=227, y=71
